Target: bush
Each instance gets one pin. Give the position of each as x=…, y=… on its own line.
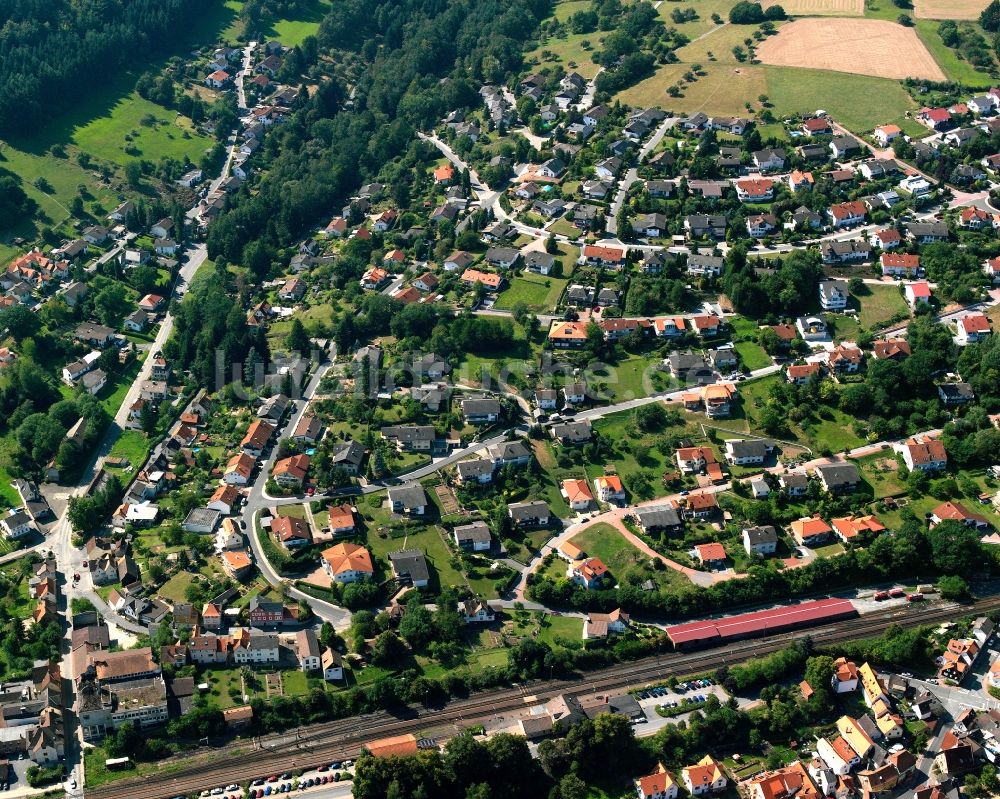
x=44, y=775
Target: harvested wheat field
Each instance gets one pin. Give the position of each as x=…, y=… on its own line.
x=833, y=8
x=948, y=9
x=860, y=46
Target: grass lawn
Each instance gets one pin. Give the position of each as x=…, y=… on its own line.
x=846, y=97
x=291, y=32
x=235, y=27
x=835, y=433
x=7, y=493
x=295, y=683
x=879, y=304
x=553, y=628
x=444, y=565
x=704, y=9
x=98, y=774
x=113, y=394
x=752, y=355
x=133, y=445
x=564, y=10
x=563, y=227
x=630, y=378
x=882, y=9
x=64, y=175
x=294, y=511
x=829, y=550
x=954, y=66
x=537, y=292
x=549, y=628
x=833, y=428
x=880, y=472
x=617, y=427
x=605, y=542
x=569, y=52
x=845, y=327
x=717, y=46
x=174, y=588
x=723, y=89
x=122, y=114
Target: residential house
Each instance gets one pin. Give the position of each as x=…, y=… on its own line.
x=475, y=537
x=711, y=556
x=659, y=519
x=926, y=455
x=838, y=478
x=848, y=528
x=760, y=540
x=409, y=567
x=292, y=532
x=707, y=776
x=609, y=488
x=529, y=514
x=347, y=563
x=810, y=531
x=917, y=293
x=973, y=328
x=577, y=494
x=408, y=499
x=957, y=512
x=601, y=625
x=847, y=214
x=748, y=452
x=589, y=573
x=900, y=264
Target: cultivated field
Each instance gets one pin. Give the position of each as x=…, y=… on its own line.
x=948, y=9
x=858, y=46
x=833, y=8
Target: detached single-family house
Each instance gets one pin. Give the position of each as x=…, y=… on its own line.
x=760, y=540
x=707, y=776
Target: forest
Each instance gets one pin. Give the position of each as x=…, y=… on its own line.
x=432, y=56
x=50, y=50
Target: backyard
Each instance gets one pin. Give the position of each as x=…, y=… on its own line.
x=625, y=561
x=538, y=293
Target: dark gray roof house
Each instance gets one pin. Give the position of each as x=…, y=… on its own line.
x=838, y=478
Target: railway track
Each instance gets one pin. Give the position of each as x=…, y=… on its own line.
x=344, y=738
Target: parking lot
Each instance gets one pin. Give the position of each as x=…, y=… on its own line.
x=693, y=698
x=335, y=774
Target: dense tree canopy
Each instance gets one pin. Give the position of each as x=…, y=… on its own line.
x=51, y=51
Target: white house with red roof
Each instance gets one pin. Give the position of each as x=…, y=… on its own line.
x=934, y=118
x=658, y=785
x=217, y=79
x=887, y=239
x=972, y=218
x=886, y=134
x=900, y=264
x=847, y=214
x=973, y=328
x=916, y=293
x=755, y=190
x=992, y=269
x=609, y=488
x=588, y=573
x=611, y=257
